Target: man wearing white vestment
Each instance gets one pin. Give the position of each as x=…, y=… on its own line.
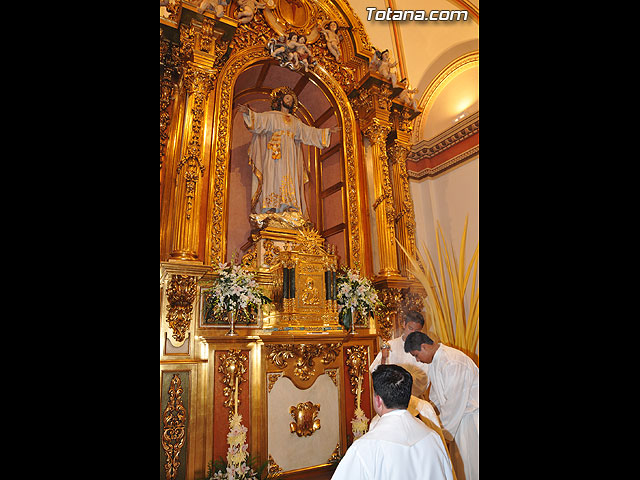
x=393, y=353
x=398, y=446
x=455, y=391
x=275, y=154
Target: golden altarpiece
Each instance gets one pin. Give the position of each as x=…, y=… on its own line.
x=294, y=374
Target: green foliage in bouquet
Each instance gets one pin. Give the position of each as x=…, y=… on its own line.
x=248, y=470
x=355, y=292
x=237, y=290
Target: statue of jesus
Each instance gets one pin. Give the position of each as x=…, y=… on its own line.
x=275, y=154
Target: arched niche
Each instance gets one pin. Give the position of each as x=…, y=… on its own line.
x=324, y=192
x=345, y=190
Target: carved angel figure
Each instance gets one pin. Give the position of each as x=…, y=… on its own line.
x=291, y=51
x=216, y=5
x=302, y=54
x=333, y=39
x=382, y=64
x=248, y=8
x=406, y=97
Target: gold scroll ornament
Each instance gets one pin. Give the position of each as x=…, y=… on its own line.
x=174, y=420
x=232, y=366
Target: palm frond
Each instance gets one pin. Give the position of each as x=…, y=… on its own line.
x=455, y=318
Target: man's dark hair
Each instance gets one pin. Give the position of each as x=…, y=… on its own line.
x=413, y=316
x=415, y=340
x=393, y=384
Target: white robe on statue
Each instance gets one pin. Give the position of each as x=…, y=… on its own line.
x=455, y=391
x=275, y=156
x=397, y=356
x=398, y=447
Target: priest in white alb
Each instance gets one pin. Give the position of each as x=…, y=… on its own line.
x=455, y=391
x=393, y=353
x=398, y=446
x=275, y=154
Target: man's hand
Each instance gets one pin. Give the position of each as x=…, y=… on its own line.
x=335, y=129
x=385, y=354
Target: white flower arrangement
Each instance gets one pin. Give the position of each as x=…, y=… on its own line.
x=355, y=292
x=236, y=467
x=235, y=289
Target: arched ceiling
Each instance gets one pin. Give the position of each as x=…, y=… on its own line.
x=440, y=59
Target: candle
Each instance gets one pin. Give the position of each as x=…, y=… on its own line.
x=235, y=403
x=359, y=391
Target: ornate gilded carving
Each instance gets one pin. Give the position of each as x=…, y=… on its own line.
x=357, y=363
x=202, y=50
x=181, y=294
x=333, y=375
x=273, y=470
x=397, y=302
x=335, y=456
x=171, y=13
x=377, y=132
x=169, y=68
x=232, y=366
x=270, y=252
x=198, y=82
x=304, y=366
x=309, y=241
x=349, y=154
x=310, y=295
x=256, y=32
x=405, y=217
x=272, y=378
x=304, y=419
x=385, y=327
x=174, y=420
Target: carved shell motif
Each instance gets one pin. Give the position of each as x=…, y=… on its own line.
x=304, y=419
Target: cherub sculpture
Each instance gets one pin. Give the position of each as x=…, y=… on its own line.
x=382, y=64
x=291, y=51
x=216, y=5
x=406, y=97
x=248, y=8
x=302, y=54
x=333, y=39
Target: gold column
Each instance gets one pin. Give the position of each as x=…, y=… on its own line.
x=383, y=204
x=372, y=104
x=184, y=246
x=402, y=117
x=202, y=45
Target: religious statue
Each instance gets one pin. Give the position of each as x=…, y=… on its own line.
x=216, y=5
x=291, y=51
x=276, y=158
x=248, y=8
x=333, y=39
x=406, y=97
x=382, y=64
x=310, y=296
